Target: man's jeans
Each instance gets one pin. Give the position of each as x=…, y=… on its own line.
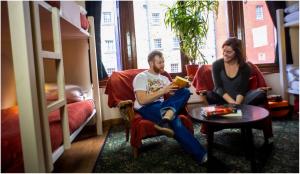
x=155, y=111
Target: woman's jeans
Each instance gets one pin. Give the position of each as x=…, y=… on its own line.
x=155, y=111
x=253, y=97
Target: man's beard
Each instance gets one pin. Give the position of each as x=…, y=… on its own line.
x=157, y=70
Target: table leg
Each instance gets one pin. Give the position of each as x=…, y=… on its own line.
x=250, y=148
x=210, y=142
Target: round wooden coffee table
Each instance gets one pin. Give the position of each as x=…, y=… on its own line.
x=251, y=115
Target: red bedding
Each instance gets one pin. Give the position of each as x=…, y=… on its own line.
x=11, y=150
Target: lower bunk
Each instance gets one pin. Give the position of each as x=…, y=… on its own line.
x=79, y=114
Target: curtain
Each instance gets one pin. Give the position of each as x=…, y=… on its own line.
x=94, y=9
x=273, y=6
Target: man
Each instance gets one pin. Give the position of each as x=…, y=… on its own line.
x=150, y=87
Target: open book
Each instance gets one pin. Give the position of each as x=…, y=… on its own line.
x=224, y=111
x=180, y=82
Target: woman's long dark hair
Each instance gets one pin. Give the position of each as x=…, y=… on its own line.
x=236, y=45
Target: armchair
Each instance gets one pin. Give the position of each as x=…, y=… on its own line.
x=203, y=82
x=121, y=95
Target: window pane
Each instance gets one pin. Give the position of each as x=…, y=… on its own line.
x=221, y=30
x=259, y=12
x=155, y=18
x=260, y=34
x=150, y=37
x=109, y=37
x=107, y=17
x=152, y=34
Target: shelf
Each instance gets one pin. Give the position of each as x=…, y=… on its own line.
x=292, y=24
x=291, y=91
x=68, y=29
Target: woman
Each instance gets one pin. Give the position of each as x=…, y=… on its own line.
x=231, y=78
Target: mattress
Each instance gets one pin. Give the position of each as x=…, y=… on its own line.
x=11, y=156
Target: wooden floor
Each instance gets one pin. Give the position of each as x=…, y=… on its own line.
x=82, y=155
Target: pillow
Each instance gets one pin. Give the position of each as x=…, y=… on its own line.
x=73, y=93
x=252, y=83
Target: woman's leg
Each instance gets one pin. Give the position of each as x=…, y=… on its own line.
x=255, y=97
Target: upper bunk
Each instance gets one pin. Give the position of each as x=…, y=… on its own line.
x=70, y=20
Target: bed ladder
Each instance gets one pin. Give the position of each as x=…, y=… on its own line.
x=57, y=56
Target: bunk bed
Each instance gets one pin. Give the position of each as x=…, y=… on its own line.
x=42, y=46
x=288, y=19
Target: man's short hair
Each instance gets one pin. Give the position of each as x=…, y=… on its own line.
x=153, y=54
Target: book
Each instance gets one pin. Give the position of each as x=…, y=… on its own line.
x=224, y=111
x=180, y=82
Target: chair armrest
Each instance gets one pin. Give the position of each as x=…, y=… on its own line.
x=126, y=110
x=201, y=92
x=266, y=89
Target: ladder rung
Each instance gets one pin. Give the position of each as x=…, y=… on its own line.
x=56, y=105
x=50, y=55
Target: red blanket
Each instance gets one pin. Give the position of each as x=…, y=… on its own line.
x=11, y=149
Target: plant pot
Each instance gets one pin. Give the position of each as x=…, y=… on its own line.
x=191, y=70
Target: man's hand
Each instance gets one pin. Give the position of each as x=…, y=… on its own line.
x=170, y=88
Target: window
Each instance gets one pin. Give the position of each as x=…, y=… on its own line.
x=110, y=70
x=174, y=68
x=260, y=35
x=175, y=42
x=155, y=18
x=109, y=38
x=149, y=36
x=107, y=18
x=259, y=12
x=109, y=47
x=157, y=44
x=261, y=56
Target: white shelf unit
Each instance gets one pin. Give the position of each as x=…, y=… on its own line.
x=281, y=27
x=21, y=15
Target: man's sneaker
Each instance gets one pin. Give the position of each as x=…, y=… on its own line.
x=164, y=128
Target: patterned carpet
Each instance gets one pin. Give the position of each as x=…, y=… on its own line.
x=162, y=154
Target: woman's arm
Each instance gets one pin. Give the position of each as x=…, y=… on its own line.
x=216, y=70
x=227, y=98
x=239, y=99
x=245, y=74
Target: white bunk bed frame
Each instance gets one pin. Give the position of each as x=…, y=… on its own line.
x=281, y=25
x=28, y=57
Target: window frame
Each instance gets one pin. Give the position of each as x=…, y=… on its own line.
x=261, y=12
x=155, y=20
x=105, y=14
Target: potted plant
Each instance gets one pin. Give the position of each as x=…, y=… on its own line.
x=189, y=21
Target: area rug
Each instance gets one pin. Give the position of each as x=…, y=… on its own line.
x=162, y=154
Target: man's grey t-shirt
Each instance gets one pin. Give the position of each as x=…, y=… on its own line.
x=232, y=86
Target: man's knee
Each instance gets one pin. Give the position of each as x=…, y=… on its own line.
x=185, y=91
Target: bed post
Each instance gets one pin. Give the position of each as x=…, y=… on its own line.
x=95, y=80
x=282, y=53
x=24, y=70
